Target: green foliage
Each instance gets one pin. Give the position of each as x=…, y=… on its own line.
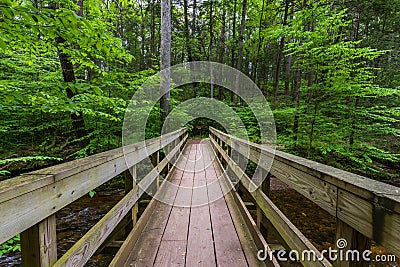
x=10, y=245
x=92, y=193
x=339, y=121
x=28, y=159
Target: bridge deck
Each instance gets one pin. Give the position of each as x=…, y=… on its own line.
x=196, y=230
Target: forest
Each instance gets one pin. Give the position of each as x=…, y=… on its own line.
x=329, y=70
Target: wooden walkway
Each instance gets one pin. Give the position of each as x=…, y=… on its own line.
x=200, y=226
x=192, y=232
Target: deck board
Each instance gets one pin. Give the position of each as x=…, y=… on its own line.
x=194, y=231
x=200, y=249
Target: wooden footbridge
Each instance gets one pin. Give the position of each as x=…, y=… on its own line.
x=208, y=223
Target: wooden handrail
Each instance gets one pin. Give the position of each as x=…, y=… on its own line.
x=80, y=253
x=292, y=236
x=362, y=206
x=28, y=203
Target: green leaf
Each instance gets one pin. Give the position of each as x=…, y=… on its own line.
x=92, y=193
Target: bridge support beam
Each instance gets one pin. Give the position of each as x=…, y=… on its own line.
x=39, y=244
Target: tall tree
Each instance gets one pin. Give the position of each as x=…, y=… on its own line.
x=165, y=57
x=279, y=57
x=68, y=72
x=240, y=49
x=211, y=48
x=187, y=33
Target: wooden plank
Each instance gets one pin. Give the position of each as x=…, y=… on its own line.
x=144, y=251
x=153, y=209
x=250, y=237
x=200, y=248
x=176, y=230
x=24, y=210
x=171, y=253
x=228, y=248
x=140, y=248
x=39, y=244
x=318, y=191
x=178, y=222
x=20, y=185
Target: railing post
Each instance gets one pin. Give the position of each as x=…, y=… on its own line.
x=173, y=159
x=130, y=182
x=240, y=162
x=39, y=244
x=264, y=187
x=348, y=238
x=156, y=160
x=135, y=208
x=219, y=142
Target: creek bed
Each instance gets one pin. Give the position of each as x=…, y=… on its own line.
x=74, y=221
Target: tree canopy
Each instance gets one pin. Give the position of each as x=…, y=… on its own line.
x=329, y=69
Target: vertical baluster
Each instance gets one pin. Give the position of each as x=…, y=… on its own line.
x=135, y=208
x=39, y=244
x=355, y=241
x=156, y=161
x=264, y=187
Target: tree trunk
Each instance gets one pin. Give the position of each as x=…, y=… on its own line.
x=233, y=43
x=311, y=135
x=142, y=47
x=165, y=58
x=222, y=49
x=211, y=50
x=279, y=59
x=354, y=37
x=288, y=64
x=260, y=40
x=68, y=72
x=296, y=99
x=152, y=35
x=233, y=34
x=121, y=26
x=240, y=50
x=187, y=37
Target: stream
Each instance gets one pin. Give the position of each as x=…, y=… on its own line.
x=74, y=221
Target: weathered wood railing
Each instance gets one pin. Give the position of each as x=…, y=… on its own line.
x=28, y=203
x=364, y=209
